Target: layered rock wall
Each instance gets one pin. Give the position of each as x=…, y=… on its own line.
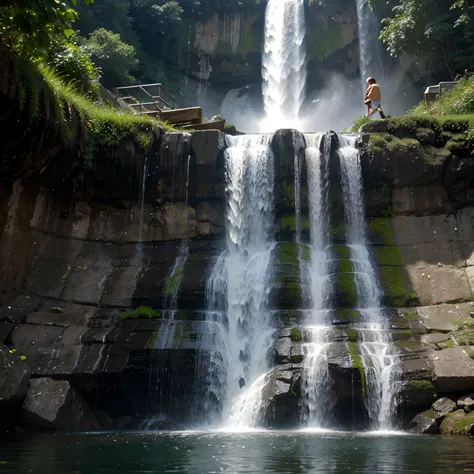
x=78, y=257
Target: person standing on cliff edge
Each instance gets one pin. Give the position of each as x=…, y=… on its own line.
x=373, y=98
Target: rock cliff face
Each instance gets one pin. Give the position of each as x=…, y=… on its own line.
x=225, y=50
x=79, y=256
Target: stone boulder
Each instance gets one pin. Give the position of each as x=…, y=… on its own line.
x=467, y=403
x=443, y=406
x=451, y=419
x=453, y=370
x=14, y=377
x=424, y=423
x=464, y=426
x=55, y=405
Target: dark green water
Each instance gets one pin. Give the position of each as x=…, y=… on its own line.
x=281, y=452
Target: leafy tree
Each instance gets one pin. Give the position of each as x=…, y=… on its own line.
x=30, y=27
x=437, y=30
x=115, y=58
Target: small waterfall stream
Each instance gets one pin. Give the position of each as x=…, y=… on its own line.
x=283, y=63
x=376, y=346
x=240, y=282
x=316, y=385
x=370, y=50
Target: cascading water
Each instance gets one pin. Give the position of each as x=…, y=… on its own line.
x=370, y=50
x=283, y=63
x=376, y=344
x=314, y=275
x=240, y=284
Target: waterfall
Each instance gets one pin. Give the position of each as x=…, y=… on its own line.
x=316, y=385
x=240, y=281
x=376, y=342
x=283, y=63
x=142, y=200
x=370, y=50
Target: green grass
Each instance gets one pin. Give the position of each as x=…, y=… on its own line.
x=455, y=108
x=111, y=124
x=358, y=122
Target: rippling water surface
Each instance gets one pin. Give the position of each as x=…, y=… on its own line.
x=259, y=452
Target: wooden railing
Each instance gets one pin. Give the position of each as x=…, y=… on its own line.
x=146, y=98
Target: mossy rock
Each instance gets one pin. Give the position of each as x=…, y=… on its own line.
x=143, y=312
x=356, y=361
x=344, y=266
x=322, y=42
x=450, y=420
x=290, y=252
x=341, y=252
x=173, y=283
x=435, y=156
x=389, y=256
x=288, y=222
x=396, y=287
x=290, y=318
x=297, y=359
x=251, y=40
x=346, y=316
x=378, y=142
x=464, y=337
x=381, y=231
x=464, y=426
x=352, y=335
x=296, y=335
x=402, y=335
x=346, y=290
x=410, y=346
x=338, y=232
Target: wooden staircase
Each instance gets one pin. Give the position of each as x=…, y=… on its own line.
x=154, y=99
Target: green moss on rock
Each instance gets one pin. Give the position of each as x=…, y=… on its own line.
x=352, y=335
x=389, y=256
x=143, y=312
x=465, y=425
x=173, y=282
x=397, y=288
x=290, y=318
x=288, y=222
x=382, y=227
x=296, y=335
x=341, y=252
x=356, y=361
x=346, y=290
x=321, y=42
x=297, y=359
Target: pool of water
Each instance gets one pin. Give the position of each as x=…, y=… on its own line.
x=218, y=452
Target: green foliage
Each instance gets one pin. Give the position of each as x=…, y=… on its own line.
x=30, y=27
x=358, y=122
x=74, y=67
x=57, y=309
x=115, y=58
x=454, y=110
x=143, y=312
x=439, y=30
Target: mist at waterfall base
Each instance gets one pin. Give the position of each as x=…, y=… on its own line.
x=334, y=106
x=199, y=453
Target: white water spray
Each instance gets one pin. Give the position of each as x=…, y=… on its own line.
x=283, y=63
x=376, y=342
x=240, y=281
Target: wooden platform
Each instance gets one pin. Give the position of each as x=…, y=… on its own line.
x=156, y=101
